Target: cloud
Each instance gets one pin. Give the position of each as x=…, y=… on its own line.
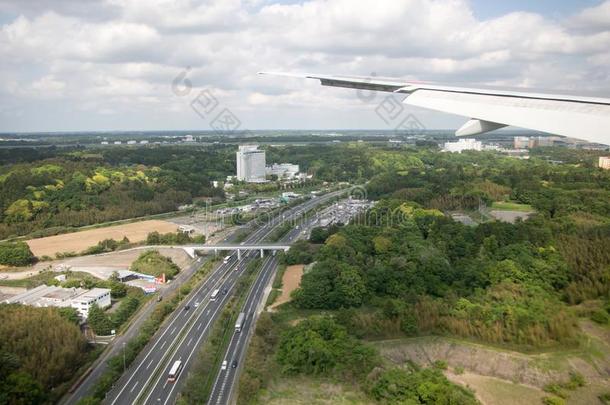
x=594, y=18
x=117, y=59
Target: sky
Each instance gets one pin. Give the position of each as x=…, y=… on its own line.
x=111, y=65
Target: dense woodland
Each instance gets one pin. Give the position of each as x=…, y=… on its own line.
x=405, y=268
x=40, y=348
x=76, y=188
x=418, y=271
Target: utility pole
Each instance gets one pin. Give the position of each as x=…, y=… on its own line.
x=124, y=357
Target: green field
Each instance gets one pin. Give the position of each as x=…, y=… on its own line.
x=511, y=206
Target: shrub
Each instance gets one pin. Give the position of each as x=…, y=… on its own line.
x=440, y=365
x=600, y=317
x=16, y=254
x=426, y=386
x=319, y=345
x=553, y=401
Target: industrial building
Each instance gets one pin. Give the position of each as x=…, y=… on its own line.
x=604, y=162
x=52, y=296
x=250, y=164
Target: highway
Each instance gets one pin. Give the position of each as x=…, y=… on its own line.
x=99, y=366
x=224, y=384
x=145, y=381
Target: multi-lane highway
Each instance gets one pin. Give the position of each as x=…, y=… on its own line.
x=146, y=379
x=100, y=366
x=224, y=384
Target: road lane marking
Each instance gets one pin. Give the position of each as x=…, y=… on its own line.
x=219, y=305
x=134, y=386
x=199, y=327
x=189, y=342
x=173, y=330
x=150, y=363
x=164, y=343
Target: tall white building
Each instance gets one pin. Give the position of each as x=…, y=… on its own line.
x=250, y=164
x=463, y=144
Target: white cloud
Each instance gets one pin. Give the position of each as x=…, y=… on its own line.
x=121, y=62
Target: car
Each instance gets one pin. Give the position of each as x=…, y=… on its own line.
x=196, y=304
x=224, y=291
x=234, y=364
x=187, y=307
x=224, y=365
x=159, y=298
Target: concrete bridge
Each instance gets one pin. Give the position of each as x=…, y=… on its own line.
x=191, y=249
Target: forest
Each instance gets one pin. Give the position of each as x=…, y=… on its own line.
x=40, y=349
x=406, y=268
x=68, y=189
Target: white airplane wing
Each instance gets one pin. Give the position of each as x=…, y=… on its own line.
x=585, y=118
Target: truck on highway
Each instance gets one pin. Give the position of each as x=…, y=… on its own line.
x=226, y=259
x=214, y=294
x=174, y=371
x=240, y=321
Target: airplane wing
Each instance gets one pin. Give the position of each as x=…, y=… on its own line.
x=585, y=118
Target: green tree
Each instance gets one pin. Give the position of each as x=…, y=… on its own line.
x=16, y=254
x=350, y=287
x=99, y=321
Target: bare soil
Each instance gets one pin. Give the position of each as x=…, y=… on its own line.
x=290, y=282
x=79, y=241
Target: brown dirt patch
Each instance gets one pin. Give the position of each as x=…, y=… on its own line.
x=290, y=282
x=79, y=241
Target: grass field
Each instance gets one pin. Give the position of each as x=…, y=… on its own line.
x=494, y=391
x=310, y=390
x=78, y=241
x=511, y=206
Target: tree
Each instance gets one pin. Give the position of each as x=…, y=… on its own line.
x=117, y=289
x=350, y=287
x=99, y=321
x=16, y=254
x=318, y=345
x=70, y=314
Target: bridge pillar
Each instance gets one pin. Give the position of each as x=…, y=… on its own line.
x=215, y=253
x=238, y=254
x=262, y=254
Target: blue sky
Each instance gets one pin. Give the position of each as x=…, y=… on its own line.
x=72, y=65
x=551, y=8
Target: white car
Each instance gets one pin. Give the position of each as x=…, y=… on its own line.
x=196, y=304
x=224, y=365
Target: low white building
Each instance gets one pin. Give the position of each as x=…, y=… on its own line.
x=462, y=145
x=99, y=296
x=52, y=296
x=282, y=170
